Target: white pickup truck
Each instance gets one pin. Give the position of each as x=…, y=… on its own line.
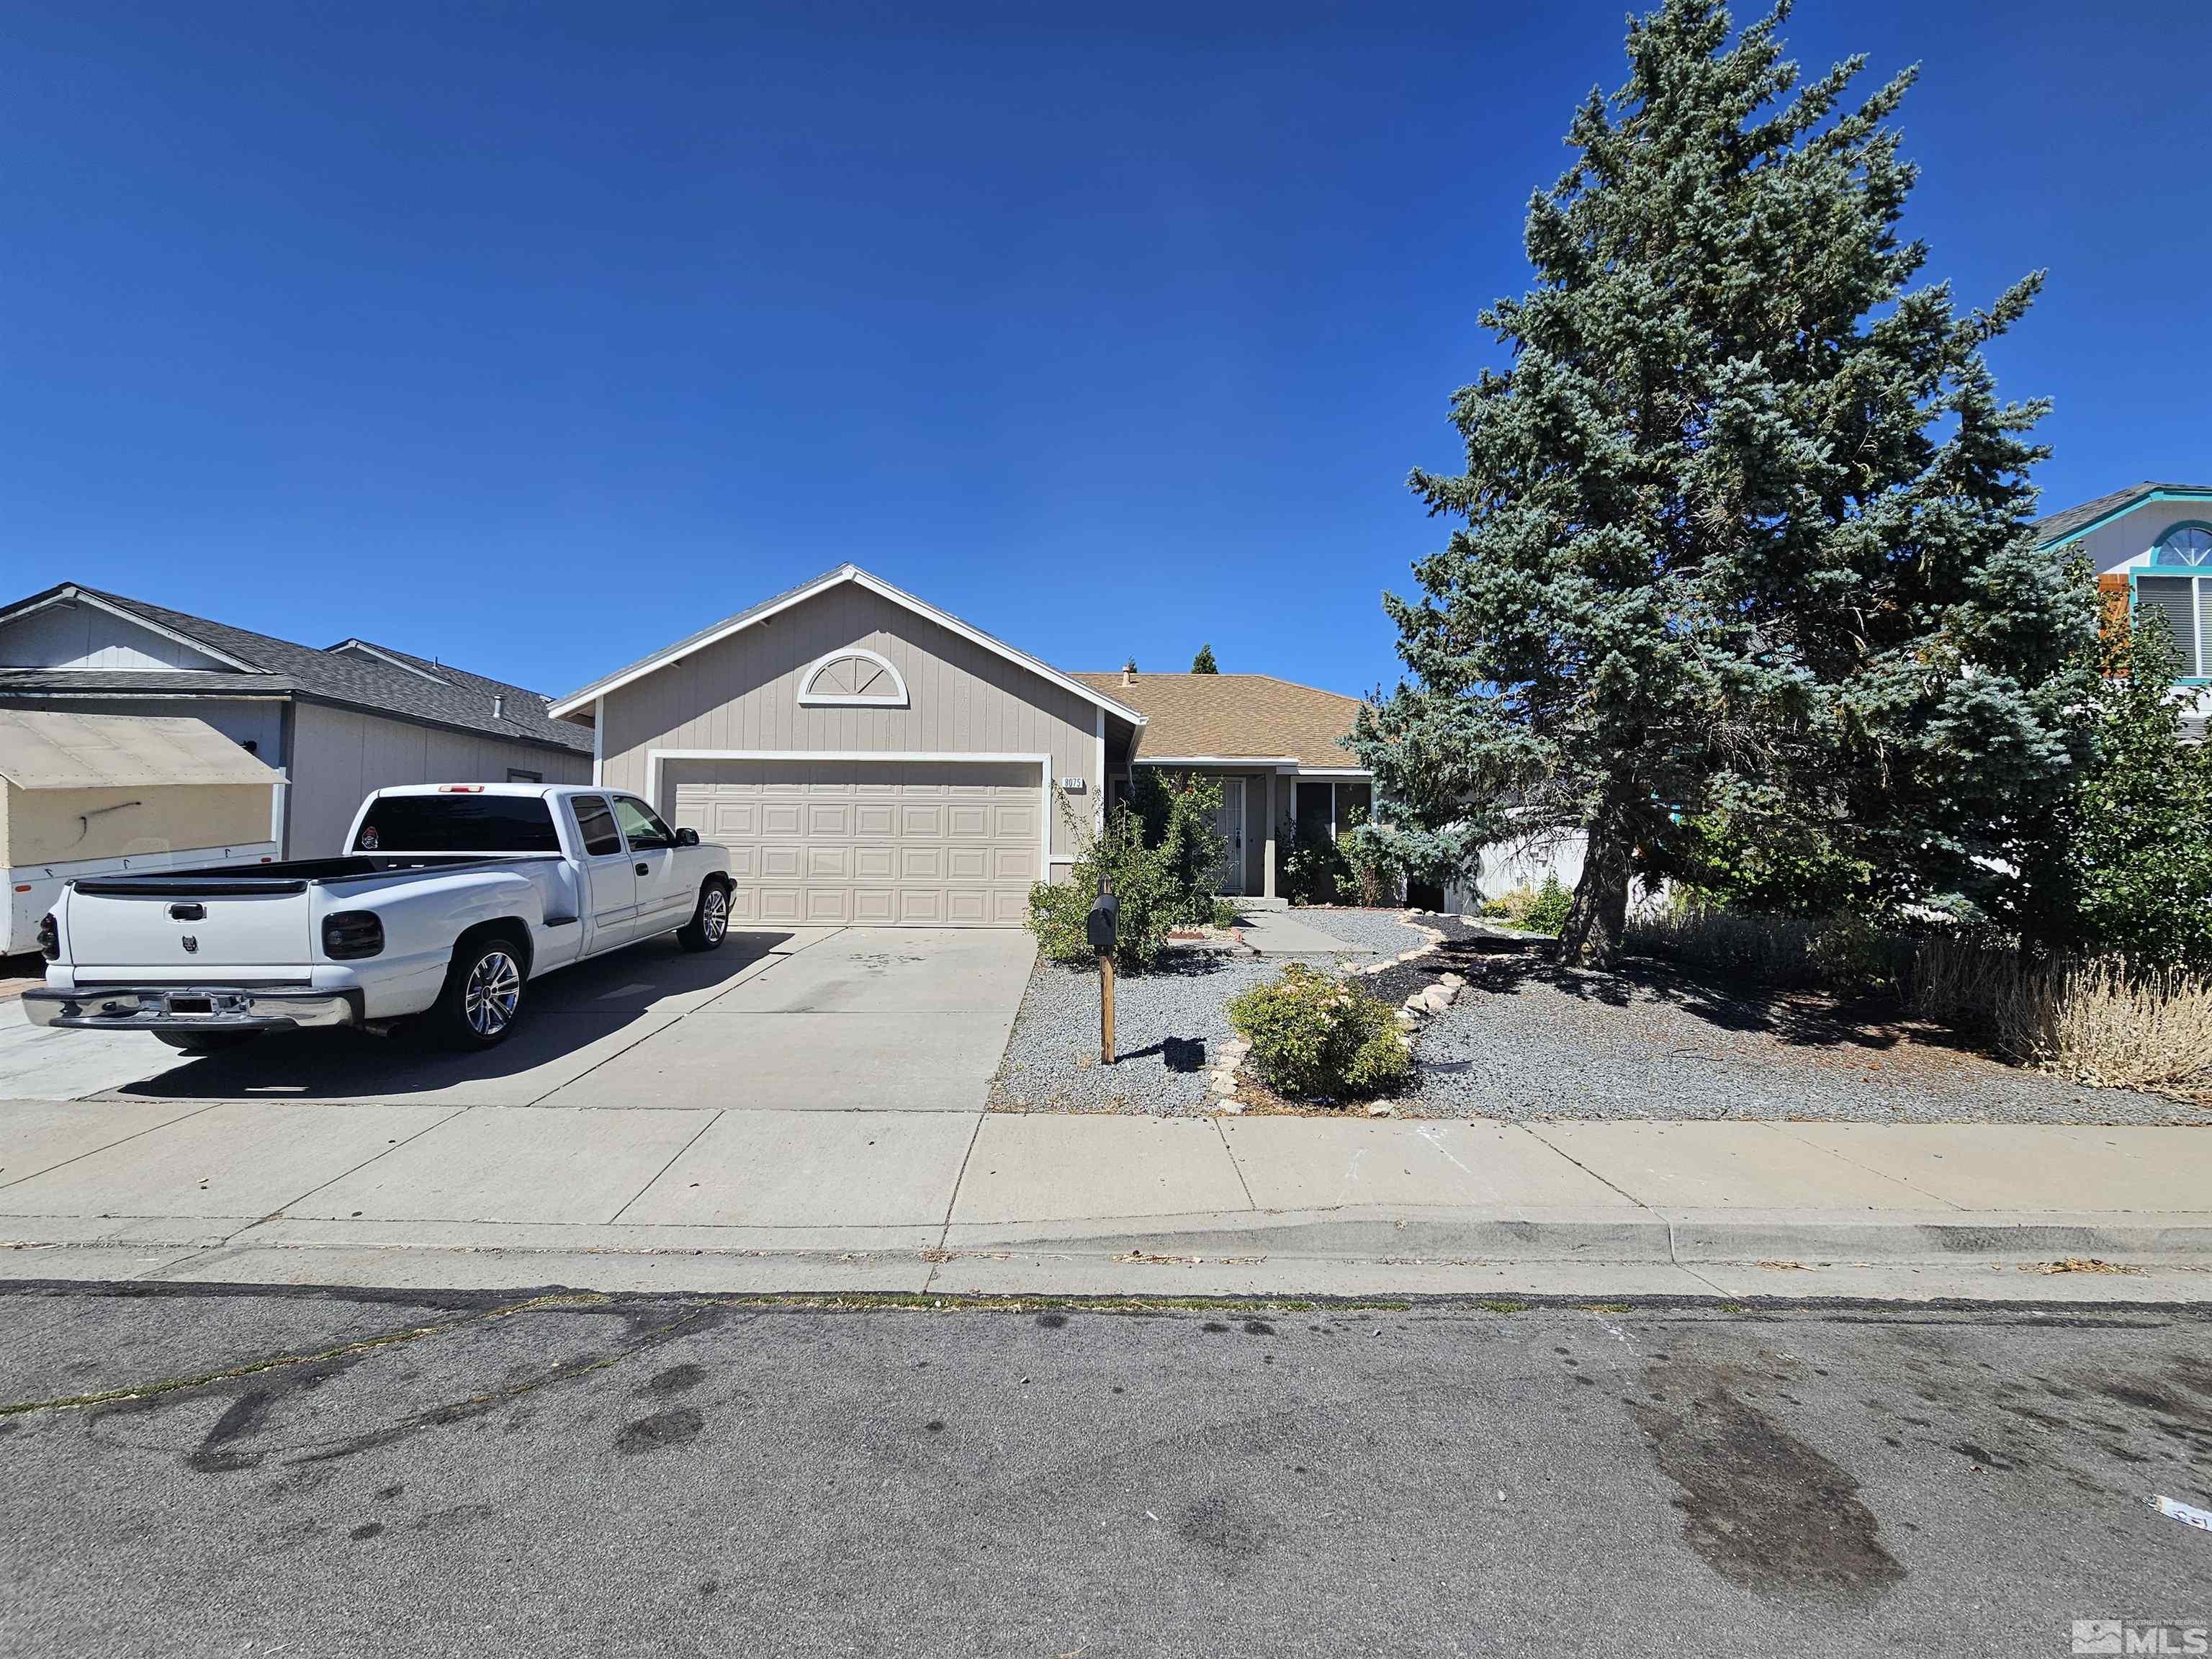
x=453, y=898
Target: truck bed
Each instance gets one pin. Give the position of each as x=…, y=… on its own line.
x=293, y=875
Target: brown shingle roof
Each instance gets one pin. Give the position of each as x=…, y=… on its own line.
x=1235, y=715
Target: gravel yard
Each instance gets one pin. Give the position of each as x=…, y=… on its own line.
x=1379, y=930
x=1165, y=1024
x=1528, y=1040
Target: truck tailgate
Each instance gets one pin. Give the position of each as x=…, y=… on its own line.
x=209, y=922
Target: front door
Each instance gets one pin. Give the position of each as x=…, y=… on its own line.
x=1229, y=821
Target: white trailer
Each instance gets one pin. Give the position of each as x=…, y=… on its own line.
x=84, y=795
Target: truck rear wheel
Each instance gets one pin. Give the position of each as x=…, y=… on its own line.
x=710, y=922
x=483, y=995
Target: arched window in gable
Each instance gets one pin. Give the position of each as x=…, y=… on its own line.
x=852, y=679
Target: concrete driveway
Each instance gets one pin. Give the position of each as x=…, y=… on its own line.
x=799, y=1019
x=809, y=1088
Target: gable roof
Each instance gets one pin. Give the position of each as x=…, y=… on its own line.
x=579, y=701
x=1237, y=717
x=2077, y=520
x=436, y=694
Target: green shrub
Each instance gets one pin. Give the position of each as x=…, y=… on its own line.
x=1541, y=911
x=1316, y=1037
x=1139, y=878
x=1224, y=914
x=1378, y=874
x=1314, y=870
x=1158, y=856
x=1549, y=912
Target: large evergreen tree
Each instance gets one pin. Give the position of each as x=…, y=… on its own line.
x=1203, y=663
x=1745, y=523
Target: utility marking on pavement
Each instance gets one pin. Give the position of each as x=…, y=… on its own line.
x=1434, y=1134
x=2188, y=1514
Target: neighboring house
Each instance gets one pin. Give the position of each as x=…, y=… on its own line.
x=2150, y=545
x=337, y=722
x=869, y=758
x=1276, y=748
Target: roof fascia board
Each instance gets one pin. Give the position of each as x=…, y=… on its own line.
x=1218, y=760
x=577, y=700
x=73, y=594
x=2126, y=507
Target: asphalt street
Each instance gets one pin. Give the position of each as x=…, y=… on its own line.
x=187, y=1471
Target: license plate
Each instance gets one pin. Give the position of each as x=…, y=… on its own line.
x=187, y=1004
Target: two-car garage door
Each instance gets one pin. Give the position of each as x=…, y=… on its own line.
x=913, y=843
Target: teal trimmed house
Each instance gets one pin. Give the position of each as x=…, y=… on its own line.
x=2150, y=546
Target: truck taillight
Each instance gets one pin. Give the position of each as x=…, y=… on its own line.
x=349, y=935
x=50, y=937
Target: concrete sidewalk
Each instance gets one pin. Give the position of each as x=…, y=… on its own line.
x=396, y=1194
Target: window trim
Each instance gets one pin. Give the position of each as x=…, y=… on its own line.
x=2158, y=564
x=810, y=698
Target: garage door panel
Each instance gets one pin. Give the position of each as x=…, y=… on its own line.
x=918, y=843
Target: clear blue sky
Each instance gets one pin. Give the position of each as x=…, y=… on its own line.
x=535, y=337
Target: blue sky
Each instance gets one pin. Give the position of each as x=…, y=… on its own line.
x=534, y=337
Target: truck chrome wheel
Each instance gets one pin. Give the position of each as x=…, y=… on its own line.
x=494, y=988
x=714, y=916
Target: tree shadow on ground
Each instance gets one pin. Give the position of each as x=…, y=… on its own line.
x=1795, y=1019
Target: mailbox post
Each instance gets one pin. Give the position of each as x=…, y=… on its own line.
x=1098, y=927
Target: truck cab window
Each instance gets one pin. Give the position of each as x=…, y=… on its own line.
x=597, y=826
x=643, y=825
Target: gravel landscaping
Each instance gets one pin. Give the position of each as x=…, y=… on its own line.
x=1379, y=930
x=1167, y=1024
x=1527, y=1040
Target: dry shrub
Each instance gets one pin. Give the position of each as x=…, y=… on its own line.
x=2100, y=1022
x=2105, y=1024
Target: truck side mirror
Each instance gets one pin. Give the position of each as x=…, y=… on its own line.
x=687, y=837
x=1099, y=924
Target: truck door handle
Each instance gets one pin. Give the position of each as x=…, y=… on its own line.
x=645, y=869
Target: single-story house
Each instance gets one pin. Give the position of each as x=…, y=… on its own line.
x=869, y=758
x=335, y=722
x=1275, y=747
x=2150, y=546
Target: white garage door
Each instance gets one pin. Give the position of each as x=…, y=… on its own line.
x=899, y=843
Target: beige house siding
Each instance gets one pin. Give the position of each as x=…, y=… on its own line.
x=339, y=755
x=742, y=694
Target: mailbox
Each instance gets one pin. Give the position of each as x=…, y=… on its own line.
x=1105, y=910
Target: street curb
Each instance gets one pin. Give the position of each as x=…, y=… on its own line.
x=1629, y=1237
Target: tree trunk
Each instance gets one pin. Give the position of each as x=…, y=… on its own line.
x=1598, y=919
